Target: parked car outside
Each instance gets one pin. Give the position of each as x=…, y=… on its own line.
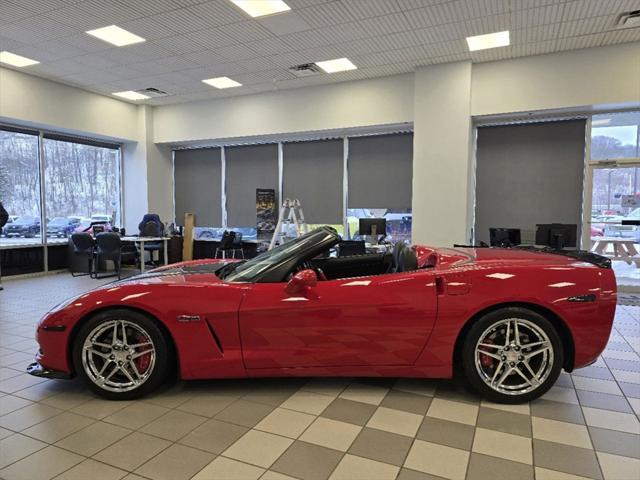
x=24, y=226
x=616, y=229
x=11, y=219
x=62, y=227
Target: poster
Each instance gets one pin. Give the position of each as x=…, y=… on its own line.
x=266, y=212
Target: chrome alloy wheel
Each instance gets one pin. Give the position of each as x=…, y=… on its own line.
x=118, y=356
x=514, y=356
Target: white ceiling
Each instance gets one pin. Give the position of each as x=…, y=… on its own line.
x=190, y=40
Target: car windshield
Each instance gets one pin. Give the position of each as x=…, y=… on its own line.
x=634, y=214
x=251, y=269
x=25, y=220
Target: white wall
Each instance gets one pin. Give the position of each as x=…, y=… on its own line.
x=578, y=78
x=379, y=101
x=45, y=104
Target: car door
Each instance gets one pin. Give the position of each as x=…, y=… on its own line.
x=364, y=321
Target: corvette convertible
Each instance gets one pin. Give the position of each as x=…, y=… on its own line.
x=507, y=321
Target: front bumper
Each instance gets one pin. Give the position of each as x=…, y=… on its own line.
x=38, y=370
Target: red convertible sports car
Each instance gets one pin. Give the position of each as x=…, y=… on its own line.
x=506, y=320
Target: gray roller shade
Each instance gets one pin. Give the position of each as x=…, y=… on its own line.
x=381, y=171
x=529, y=174
x=248, y=168
x=197, y=185
x=312, y=173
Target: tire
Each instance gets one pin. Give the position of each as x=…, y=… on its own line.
x=496, y=370
x=119, y=371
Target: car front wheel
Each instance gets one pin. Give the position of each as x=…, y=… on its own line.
x=121, y=354
x=512, y=355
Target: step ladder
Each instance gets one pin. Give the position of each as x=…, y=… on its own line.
x=290, y=220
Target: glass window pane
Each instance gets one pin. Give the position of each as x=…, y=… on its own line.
x=20, y=188
x=82, y=185
x=615, y=135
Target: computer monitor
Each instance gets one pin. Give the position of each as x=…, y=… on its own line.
x=372, y=226
x=504, y=237
x=557, y=235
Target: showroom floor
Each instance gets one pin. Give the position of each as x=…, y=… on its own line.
x=585, y=427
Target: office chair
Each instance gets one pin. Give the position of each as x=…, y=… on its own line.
x=231, y=242
x=151, y=229
x=84, y=246
x=109, y=247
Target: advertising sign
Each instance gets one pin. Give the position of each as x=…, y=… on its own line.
x=266, y=212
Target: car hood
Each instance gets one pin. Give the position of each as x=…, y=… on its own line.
x=195, y=271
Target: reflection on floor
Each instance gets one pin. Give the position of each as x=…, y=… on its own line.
x=586, y=426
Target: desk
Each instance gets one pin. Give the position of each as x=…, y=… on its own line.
x=623, y=249
x=142, y=240
x=205, y=248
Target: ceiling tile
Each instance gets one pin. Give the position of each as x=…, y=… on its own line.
x=284, y=24
x=326, y=15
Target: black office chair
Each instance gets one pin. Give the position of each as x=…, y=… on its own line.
x=346, y=248
x=151, y=229
x=84, y=246
x=109, y=247
x=231, y=242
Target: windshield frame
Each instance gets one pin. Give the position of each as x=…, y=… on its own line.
x=274, y=265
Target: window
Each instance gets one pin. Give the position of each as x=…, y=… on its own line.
x=615, y=135
x=20, y=188
x=82, y=185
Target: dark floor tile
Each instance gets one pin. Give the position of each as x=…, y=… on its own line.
x=565, y=458
x=444, y=432
x=630, y=389
x=564, y=412
x=483, y=467
x=245, y=413
x=214, y=436
x=626, y=365
x=452, y=390
x=620, y=346
x=593, y=372
x=407, y=474
x=604, y=401
x=618, y=443
x=381, y=446
x=506, y=422
x=349, y=411
x=564, y=380
x=407, y=402
x=270, y=395
x=307, y=462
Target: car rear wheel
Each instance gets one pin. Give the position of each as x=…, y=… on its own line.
x=121, y=354
x=512, y=355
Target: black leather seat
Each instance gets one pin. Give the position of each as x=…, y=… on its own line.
x=407, y=260
x=109, y=247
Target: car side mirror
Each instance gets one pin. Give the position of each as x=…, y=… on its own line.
x=301, y=282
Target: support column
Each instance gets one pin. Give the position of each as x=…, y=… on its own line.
x=442, y=173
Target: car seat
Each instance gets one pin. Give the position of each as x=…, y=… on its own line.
x=407, y=260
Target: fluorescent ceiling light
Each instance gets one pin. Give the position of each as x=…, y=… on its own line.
x=115, y=35
x=222, y=82
x=131, y=95
x=490, y=40
x=337, y=65
x=16, y=60
x=259, y=8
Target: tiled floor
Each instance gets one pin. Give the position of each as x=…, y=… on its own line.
x=311, y=429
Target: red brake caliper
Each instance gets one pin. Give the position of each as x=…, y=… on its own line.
x=142, y=362
x=486, y=360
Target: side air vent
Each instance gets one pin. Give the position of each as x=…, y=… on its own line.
x=153, y=92
x=305, y=70
x=214, y=335
x=629, y=19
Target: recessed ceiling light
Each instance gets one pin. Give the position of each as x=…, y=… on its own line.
x=222, y=82
x=259, y=8
x=337, y=65
x=490, y=40
x=131, y=95
x=116, y=35
x=16, y=60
